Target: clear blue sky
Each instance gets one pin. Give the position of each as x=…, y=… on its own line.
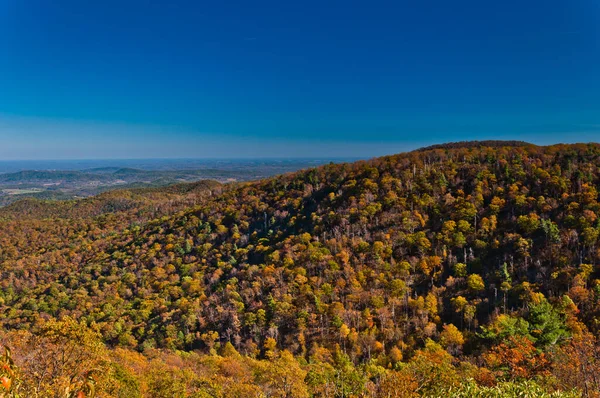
x=130, y=79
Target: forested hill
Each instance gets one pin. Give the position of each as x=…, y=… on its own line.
x=156, y=201
x=429, y=267
x=476, y=144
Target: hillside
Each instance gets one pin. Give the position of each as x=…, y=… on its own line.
x=412, y=272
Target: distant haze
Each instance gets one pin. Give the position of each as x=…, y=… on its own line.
x=282, y=165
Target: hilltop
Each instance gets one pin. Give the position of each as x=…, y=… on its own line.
x=480, y=258
x=476, y=144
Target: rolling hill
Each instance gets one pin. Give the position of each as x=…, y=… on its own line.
x=420, y=272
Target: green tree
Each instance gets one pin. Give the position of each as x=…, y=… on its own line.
x=546, y=325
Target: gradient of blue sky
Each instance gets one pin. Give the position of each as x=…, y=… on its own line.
x=130, y=79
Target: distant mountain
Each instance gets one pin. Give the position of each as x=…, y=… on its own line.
x=102, y=170
x=125, y=172
x=45, y=175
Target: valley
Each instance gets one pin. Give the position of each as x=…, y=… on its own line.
x=63, y=180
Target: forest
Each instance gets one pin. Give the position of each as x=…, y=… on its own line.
x=465, y=270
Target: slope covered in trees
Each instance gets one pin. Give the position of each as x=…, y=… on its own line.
x=413, y=272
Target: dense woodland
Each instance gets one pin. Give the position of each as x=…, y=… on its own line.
x=469, y=269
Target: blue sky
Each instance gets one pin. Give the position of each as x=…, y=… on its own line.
x=135, y=79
